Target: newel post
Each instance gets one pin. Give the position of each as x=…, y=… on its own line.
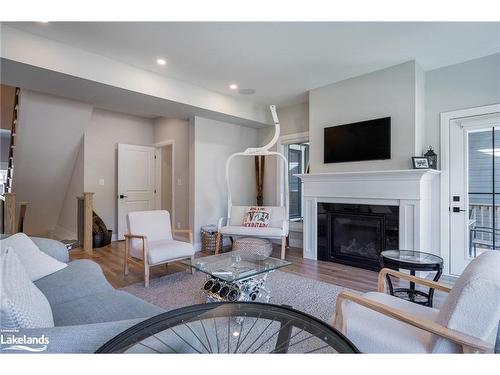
x=10, y=213
x=88, y=208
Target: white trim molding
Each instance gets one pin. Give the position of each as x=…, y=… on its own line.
x=158, y=187
x=280, y=147
x=445, y=120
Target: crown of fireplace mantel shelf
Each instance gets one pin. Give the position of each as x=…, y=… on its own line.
x=405, y=174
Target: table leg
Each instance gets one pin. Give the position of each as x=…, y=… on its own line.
x=431, y=290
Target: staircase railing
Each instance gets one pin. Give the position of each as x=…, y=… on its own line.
x=13, y=134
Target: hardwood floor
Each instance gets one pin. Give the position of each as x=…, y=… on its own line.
x=110, y=258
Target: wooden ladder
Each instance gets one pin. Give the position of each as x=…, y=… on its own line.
x=13, y=133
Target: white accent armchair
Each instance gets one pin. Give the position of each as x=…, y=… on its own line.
x=150, y=239
x=278, y=226
x=467, y=322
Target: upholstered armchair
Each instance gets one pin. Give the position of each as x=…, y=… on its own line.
x=467, y=322
x=150, y=239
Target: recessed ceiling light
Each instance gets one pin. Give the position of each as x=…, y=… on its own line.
x=161, y=61
x=233, y=86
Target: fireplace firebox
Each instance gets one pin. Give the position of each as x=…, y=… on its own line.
x=356, y=234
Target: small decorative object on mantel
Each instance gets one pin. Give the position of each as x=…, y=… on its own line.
x=420, y=162
x=432, y=157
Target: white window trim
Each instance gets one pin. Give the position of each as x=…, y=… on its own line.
x=280, y=147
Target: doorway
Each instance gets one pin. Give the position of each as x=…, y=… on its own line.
x=165, y=178
x=474, y=188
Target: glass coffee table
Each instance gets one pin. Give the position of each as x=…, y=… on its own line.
x=235, y=276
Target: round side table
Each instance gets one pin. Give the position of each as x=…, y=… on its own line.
x=412, y=261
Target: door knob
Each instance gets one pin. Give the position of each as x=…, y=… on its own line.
x=123, y=196
x=457, y=209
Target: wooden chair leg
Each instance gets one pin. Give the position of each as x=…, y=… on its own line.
x=125, y=265
x=146, y=274
x=192, y=269
x=283, y=246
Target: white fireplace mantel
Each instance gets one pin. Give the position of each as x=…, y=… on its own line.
x=415, y=191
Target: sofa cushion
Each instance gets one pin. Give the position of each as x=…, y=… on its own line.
x=85, y=338
x=22, y=304
x=473, y=305
x=249, y=231
x=159, y=251
x=103, y=307
x=80, y=279
x=37, y=263
x=372, y=332
x=54, y=248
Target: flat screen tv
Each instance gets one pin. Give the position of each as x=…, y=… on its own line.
x=359, y=141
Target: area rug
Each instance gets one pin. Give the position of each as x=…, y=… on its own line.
x=182, y=289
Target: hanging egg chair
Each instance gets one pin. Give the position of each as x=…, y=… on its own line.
x=277, y=225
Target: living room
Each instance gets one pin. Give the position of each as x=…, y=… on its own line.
x=237, y=187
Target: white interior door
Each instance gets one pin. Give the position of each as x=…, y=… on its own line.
x=136, y=182
x=474, y=189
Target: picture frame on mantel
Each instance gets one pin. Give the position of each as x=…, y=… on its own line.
x=420, y=162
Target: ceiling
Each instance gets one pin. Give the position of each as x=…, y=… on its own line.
x=281, y=61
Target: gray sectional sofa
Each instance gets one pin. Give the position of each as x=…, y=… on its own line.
x=87, y=310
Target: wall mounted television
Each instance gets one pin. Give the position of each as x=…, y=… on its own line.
x=359, y=141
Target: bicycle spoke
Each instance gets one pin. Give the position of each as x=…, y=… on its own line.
x=216, y=335
x=258, y=337
x=246, y=335
x=147, y=346
x=206, y=336
x=183, y=339
x=164, y=343
x=317, y=349
x=270, y=337
x=287, y=341
x=195, y=335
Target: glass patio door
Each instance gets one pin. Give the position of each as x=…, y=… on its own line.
x=474, y=189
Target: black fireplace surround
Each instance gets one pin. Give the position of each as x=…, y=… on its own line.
x=356, y=234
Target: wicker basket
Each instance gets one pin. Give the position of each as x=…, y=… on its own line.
x=253, y=248
x=209, y=239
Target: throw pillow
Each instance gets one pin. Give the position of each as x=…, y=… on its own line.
x=22, y=304
x=36, y=262
x=257, y=217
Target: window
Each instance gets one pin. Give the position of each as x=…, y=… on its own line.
x=298, y=161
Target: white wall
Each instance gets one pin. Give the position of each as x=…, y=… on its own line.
x=388, y=92
x=469, y=84
x=214, y=142
x=293, y=119
x=48, y=140
x=67, y=223
x=106, y=129
x=167, y=129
